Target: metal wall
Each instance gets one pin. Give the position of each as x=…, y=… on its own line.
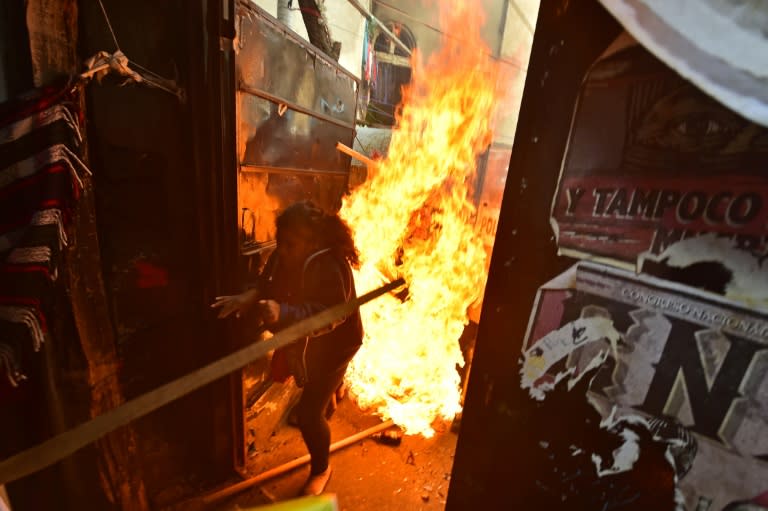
x=293, y=105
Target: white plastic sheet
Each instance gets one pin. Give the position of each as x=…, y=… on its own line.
x=719, y=45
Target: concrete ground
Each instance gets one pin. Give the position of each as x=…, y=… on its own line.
x=367, y=475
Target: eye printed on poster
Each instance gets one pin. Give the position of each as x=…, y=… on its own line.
x=651, y=160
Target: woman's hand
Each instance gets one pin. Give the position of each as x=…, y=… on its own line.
x=269, y=310
x=237, y=304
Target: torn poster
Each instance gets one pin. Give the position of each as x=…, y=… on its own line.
x=689, y=365
x=652, y=160
x=713, y=263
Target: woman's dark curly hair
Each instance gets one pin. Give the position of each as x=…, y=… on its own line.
x=328, y=229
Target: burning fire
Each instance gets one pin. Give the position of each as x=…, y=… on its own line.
x=414, y=218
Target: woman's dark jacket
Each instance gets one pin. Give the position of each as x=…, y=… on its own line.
x=326, y=280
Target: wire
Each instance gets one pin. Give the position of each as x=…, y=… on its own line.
x=521, y=14
x=106, y=18
x=148, y=71
x=365, y=149
x=148, y=75
x=308, y=10
x=379, y=111
x=382, y=102
x=446, y=34
x=344, y=29
x=406, y=15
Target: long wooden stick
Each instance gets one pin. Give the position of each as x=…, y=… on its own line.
x=61, y=446
x=354, y=154
x=282, y=469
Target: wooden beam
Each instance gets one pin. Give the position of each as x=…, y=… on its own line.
x=286, y=467
x=354, y=154
x=117, y=454
x=61, y=446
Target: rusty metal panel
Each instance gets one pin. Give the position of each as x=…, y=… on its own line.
x=293, y=105
x=275, y=62
x=270, y=137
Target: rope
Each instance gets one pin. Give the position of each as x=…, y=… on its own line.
x=106, y=18
x=102, y=63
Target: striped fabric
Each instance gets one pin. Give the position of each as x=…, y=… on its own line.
x=40, y=180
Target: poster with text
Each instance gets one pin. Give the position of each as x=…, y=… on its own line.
x=651, y=160
x=686, y=366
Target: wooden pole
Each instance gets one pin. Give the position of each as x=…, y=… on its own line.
x=354, y=154
x=286, y=467
x=61, y=446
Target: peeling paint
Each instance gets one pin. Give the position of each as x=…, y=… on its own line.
x=625, y=456
x=691, y=415
x=558, y=345
x=749, y=281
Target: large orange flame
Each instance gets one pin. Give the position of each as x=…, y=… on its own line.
x=414, y=218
